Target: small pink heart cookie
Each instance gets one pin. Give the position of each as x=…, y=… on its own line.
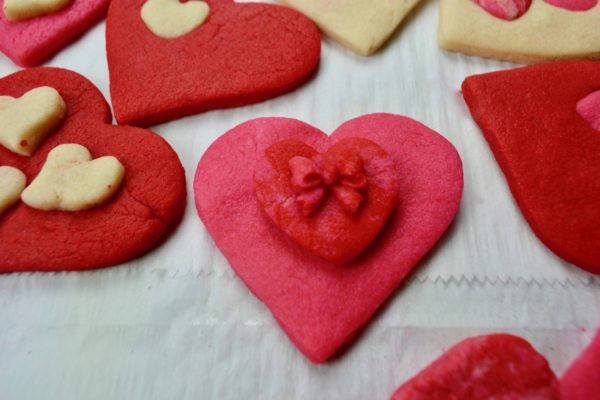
x=319, y=304
x=31, y=42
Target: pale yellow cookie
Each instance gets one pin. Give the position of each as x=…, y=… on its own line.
x=171, y=19
x=12, y=183
x=543, y=33
x=26, y=121
x=18, y=10
x=71, y=181
x=362, y=26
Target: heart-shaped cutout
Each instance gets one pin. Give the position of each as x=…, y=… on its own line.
x=29, y=43
x=483, y=368
x=505, y=9
x=243, y=53
x=12, y=182
x=336, y=301
x=171, y=18
x=71, y=180
x=589, y=109
x=342, y=197
x=17, y=10
x=26, y=121
x=148, y=205
x=362, y=26
x=547, y=151
x=574, y=5
x=582, y=379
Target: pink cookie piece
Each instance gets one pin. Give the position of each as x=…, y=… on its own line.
x=320, y=305
x=582, y=379
x=574, y=5
x=589, y=109
x=505, y=9
x=29, y=43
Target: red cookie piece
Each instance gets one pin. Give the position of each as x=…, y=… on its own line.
x=150, y=202
x=242, y=53
x=318, y=304
x=547, y=150
x=505, y=9
x=31, y=42
x=483, y=368
x=582, y=379
x=342, y=197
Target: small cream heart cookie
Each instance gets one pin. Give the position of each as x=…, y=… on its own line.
x=12, y=183
x=18, y=10
x=363, y=26
x=170, y=18
x=71, y=181
x=26, y=121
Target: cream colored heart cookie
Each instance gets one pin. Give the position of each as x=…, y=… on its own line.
x=363, y=26
x=12, y=183
x=170, y=18
x=71, y=181
x=18, y=10
x=26, y=121
x=544, y=32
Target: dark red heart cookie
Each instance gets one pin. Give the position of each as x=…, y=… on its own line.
x=150, y=202
x=483, y=368
x=321, y=305
x=242, y=53
x=582, y=379
x=548, y=152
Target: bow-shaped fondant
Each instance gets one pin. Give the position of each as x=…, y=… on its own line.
x=312, y=178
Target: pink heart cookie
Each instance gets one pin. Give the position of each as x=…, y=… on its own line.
x=320, y=305
x=31, y=42
x=582, y=379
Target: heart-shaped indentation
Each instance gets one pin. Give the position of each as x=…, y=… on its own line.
x=547, y=151
x=17, y=10
x=335, y=301
x=71, y=181
x=574, y=5
x=25, y=122
x=12, y=183
x=363, y=26
x=589, y=109
x=340, y=198
x=171, y=18
x=243, y=53
x=582, y=379
x=148, y=205
x=505, y=9
x=482, y=368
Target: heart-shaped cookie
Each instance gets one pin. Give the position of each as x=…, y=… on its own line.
x=31, y=42
x=149, y=203
x=318, y=304
x=242, y=53
x=547, y=151
x=362, y=26
x=482, y=368
x=582, y=379
x=12, y=182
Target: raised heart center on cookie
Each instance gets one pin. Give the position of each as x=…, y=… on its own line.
x=505, y=9
x=71, y=181
x=12, y=183
x=589, y=109
x=17, y=10
x=170, y=18
x=26, y=121
x=573, y=5
x=333, y=204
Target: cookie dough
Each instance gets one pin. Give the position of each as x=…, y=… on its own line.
x=170, y=18
x=12, y=183
x=18, y=10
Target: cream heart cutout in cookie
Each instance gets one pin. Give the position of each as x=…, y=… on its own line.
x=18, y=10
x=362, y=26
x=12, y=183
x=71, y=181
x=26, y=121
x=171, y=18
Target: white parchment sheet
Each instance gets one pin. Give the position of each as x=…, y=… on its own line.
x=178, y=323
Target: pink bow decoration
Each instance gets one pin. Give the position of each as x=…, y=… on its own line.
x=311, y=180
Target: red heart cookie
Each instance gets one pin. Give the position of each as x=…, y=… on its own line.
x=547, y=150
x=342, y=197
x=150, y=202
x=483, y=368
x=31, y=42
x=582, y=379
x=242, y=53
x=321, y=305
